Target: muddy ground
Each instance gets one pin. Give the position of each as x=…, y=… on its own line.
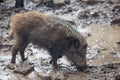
x=95, y=22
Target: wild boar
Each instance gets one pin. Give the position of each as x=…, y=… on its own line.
x=55, y=35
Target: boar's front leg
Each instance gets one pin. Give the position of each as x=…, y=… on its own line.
x=54, y=62
x=56, y=53
x=55, y=57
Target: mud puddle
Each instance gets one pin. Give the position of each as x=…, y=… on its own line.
x=105, y=40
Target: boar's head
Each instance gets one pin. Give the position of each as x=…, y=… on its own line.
x=77, y=52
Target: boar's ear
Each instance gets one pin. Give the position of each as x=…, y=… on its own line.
x=76, y=43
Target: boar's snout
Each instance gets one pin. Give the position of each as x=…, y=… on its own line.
x=80, y=63
x=80, y=58
x=82, y=66
x=77, y=52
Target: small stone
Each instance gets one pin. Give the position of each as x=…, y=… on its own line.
x=115, y=22
x=69, y=9
x=113, y=53
x=59, y=2
x=82, y=15
x=95, y=14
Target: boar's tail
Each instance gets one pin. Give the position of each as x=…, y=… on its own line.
x=11, y=34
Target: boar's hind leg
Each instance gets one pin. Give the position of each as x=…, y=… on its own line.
x=18, y=46
x=15, y=49
x=22, y=49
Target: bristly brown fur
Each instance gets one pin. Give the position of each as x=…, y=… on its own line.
x=56, y=35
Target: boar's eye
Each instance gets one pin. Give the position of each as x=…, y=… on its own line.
x=76, y=43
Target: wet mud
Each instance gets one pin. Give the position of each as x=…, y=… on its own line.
x=103, y=53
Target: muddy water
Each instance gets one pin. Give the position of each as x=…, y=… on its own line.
x=105, y=38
